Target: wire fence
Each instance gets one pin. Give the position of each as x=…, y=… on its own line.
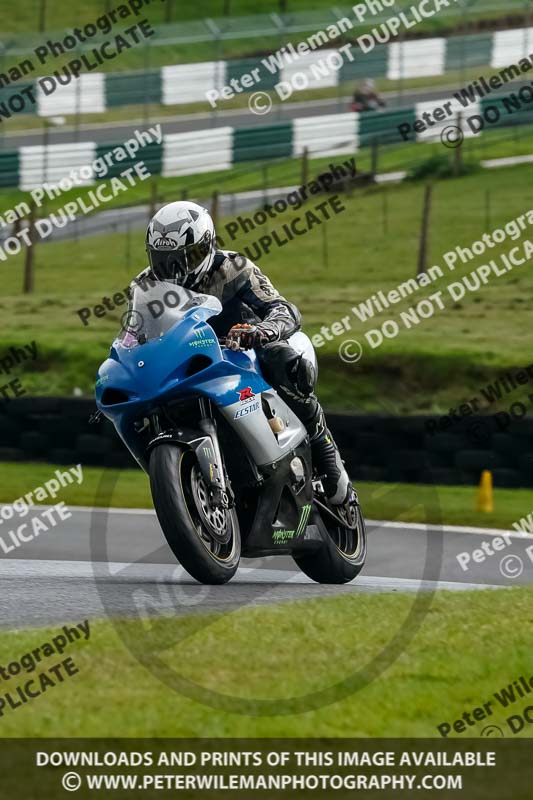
x=382, y=204
x=174, y=29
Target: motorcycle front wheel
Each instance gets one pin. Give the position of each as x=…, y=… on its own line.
x=204, y=538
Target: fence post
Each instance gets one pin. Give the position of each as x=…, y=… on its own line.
x=487, y=210
x=458, y=152
x=29, y=272
x=374, y=157
x=42, y=16
x=145, y=81
x=128, y=247
x=153, y=198
x=265, y=184
x=424, y=230
x=305, y=166
x=325, y=254
x=214, y=208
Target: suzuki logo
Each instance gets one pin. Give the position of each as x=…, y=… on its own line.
x=246, y=394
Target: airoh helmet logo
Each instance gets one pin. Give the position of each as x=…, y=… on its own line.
x=164, y=242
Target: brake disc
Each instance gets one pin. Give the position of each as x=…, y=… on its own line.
x=214, y=518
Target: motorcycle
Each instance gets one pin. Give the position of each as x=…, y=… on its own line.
x=229, y=462
x=362, y=104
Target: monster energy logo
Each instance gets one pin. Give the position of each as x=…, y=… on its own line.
x=283, y=536
x=202, y=340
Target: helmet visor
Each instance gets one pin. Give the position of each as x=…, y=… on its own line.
x=177, y=264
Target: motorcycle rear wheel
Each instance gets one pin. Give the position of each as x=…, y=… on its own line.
x=342, y=556
x=205, y=539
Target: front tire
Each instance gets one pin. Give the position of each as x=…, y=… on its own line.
x=205, y=540
x=343, y=554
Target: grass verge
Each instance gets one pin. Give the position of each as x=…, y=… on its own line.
x=57, y=17
x=426, y=685
x=450, y=505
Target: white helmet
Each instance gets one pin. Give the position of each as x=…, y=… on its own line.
x=180, y=242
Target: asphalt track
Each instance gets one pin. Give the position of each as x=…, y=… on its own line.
x=238, y=118
x=118, y=132
x=71, y=573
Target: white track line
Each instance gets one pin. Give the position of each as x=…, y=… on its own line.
x=421, y=527
x=168, y=573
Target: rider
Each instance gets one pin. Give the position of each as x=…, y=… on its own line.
x=367, y=98
x=181, y=247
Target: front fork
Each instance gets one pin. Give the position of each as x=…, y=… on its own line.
x=208, y=454
x=210, y=460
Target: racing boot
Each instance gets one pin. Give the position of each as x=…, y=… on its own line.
x=328, y=463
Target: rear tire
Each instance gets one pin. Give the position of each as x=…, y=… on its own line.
x=342, y=556
x=205, y=540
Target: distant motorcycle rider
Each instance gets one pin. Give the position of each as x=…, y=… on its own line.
x=367, y=98
x=181, y=248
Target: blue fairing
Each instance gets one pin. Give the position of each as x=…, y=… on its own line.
x=152, y=374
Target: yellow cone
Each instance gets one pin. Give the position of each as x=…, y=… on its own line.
x=485, y=500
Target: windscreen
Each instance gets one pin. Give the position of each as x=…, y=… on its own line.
x=153, y=310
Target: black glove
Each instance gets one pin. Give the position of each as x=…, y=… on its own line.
x=246, y=336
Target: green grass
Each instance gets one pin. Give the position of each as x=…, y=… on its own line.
x=23, y=26
x=425, y=686
x=372, y=246
x=61, y=16
x=448, y=505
